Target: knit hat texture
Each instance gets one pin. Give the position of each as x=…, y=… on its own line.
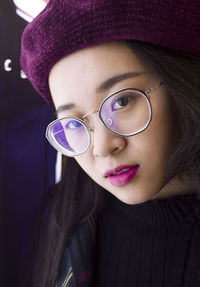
x=66, y=26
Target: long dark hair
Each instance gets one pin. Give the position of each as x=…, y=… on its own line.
x=77, y=196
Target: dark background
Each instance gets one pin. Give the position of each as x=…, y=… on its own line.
x=27, y=161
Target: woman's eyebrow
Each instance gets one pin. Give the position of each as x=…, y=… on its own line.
x=103, y=87
x=116, y=79
x=65, y=107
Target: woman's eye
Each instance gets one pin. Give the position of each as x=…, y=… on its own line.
x=72, y=125
x=121, y=102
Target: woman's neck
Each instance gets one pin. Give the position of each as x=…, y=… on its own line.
x=177, y=186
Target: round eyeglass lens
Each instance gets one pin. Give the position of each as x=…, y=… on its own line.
x=69, y=135
x=127, y=112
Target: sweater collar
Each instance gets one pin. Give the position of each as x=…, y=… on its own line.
x=171, y=210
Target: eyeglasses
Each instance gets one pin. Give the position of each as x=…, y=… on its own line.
x=125, y=113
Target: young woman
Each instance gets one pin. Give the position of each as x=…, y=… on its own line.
x=125, y=83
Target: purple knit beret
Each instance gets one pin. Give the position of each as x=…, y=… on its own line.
x=66, y=26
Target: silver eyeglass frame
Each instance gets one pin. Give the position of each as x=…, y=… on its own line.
x=88, y=128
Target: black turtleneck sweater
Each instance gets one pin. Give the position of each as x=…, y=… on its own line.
x=151, y=244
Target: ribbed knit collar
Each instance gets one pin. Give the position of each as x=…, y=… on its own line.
x=171, y=210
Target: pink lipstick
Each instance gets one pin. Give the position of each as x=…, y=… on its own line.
x=122, y=174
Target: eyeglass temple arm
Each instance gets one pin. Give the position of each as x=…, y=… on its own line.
x=154, y=88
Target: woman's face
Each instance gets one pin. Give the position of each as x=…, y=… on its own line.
x=76, y=80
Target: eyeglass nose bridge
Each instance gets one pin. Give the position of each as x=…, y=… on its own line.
x=87, y=121
x=109, y=121
x=90, y=113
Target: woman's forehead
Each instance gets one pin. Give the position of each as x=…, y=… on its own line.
x=93, y=71
x=99, y=60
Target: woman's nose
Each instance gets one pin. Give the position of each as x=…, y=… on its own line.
x=104, y=142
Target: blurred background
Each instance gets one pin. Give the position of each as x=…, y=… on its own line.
x=27, y=161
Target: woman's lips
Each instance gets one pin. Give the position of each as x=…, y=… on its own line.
x=122, y=174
